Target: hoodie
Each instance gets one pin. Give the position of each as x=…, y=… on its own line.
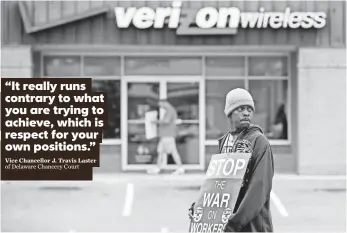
x=252, y=209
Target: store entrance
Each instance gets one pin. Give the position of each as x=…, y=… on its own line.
x=140, y=139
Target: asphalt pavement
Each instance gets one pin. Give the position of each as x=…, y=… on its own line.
x=143, y=203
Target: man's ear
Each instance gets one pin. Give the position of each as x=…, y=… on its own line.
x=230, y=117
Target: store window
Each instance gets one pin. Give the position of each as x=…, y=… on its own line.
x=141, y=98
x=225, y=66
x=270, y=97
x=216, y=122
x=62, y=66
x=163, y=66
x=112, y=89
x=94, y=67
x=268, y=66
x=184, y=97
x=101, y=66
x=266, y=79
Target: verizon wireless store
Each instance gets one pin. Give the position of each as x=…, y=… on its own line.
x=289, y=55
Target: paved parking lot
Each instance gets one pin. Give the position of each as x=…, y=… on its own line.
x=158, y=204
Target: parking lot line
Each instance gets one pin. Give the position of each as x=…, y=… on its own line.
x=279, y=204
x=129, y=197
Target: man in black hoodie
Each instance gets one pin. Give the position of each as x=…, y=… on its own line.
x=252, y=209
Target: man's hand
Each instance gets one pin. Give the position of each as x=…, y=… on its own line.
x=226, y=229
x=191, y=211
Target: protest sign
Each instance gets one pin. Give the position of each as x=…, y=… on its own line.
x=219, y=192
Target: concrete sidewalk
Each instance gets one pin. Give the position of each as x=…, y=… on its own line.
x=129, y=203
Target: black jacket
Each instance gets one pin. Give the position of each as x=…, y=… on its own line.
x=252, y=209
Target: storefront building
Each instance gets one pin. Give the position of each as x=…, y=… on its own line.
x=297, y=77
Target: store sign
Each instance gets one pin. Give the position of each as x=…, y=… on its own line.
x=210, y=20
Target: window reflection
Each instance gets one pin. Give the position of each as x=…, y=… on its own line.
x=270, y=97
x=140, y=150
x=112, y=88
x=62, y=66
x=225, y=66
x=163, y=66
x=142, y=97
x=185, y=98
x=187, y=142
x=268, y=66
x=216, y=122
x=101, y=66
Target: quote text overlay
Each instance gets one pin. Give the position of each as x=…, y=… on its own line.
x=51, y=128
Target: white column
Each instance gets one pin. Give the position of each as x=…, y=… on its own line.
x=322, y=111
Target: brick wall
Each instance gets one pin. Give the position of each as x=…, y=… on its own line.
x=322, y=111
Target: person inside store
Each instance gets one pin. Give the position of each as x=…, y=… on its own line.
x=167, y=132
x=280, y=127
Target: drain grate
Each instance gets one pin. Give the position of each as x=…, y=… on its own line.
x=331, y=190
x=60, y=188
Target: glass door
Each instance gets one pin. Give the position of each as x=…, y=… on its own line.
x=140, y=98
x=184, y=97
